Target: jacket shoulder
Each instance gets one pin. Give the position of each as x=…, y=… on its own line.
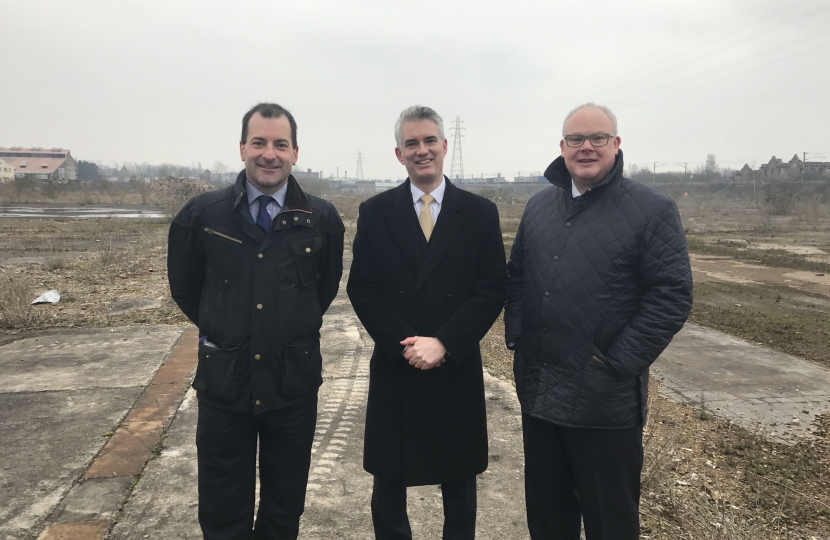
x=543, y=197
x=197, y=205
x=646, y=197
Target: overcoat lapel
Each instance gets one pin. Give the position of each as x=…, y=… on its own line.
x=405, y=228
x=446, y=229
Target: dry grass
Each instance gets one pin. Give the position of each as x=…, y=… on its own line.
x=16, y=295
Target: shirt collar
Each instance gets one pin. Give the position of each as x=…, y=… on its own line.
x=437, y=193
x=575, y=192
x=253, y=193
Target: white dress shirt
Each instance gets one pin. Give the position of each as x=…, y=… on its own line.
x=575, y=192
x=434, y=206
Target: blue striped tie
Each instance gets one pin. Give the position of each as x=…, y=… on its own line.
x=263, y=218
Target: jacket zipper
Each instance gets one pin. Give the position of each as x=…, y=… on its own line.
x=217, y=233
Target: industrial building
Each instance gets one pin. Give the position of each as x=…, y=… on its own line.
x=55, y=164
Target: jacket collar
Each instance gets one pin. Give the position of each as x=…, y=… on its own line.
x=295, y=199
x=558, y=175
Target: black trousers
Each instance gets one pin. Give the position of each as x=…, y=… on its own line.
x=392, y=523
x=589, y=473
x=226, y=444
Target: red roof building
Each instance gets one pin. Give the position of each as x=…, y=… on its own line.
x=55, y=164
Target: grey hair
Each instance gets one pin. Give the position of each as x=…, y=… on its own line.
x=602, y=108
x=418, y=112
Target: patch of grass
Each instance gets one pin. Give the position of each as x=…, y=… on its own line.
x=778, y=317
x=776, y=258
x=16, y=295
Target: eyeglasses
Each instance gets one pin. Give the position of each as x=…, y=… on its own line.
x=597, y=139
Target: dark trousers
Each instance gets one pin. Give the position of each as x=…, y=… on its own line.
x=389, y=510
x=226, y=444
x=579, y=472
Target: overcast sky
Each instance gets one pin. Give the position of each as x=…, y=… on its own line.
x=169, y=81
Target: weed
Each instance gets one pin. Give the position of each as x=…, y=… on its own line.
x=16, y=295
x=702, y=413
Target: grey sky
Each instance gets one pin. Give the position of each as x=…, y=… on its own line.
x=169, y=81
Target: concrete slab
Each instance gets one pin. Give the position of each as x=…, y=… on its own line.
x=756, y=387
x=92, y=500
x=60, y=393
x=85, y=358
x=164, y=502
x=49, y=439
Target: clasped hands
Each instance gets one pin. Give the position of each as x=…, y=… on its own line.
x=424, y=352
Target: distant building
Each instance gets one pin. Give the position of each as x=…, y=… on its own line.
x=56, y=164
x=498, y=179
x=305, y=175
x=384, y=185
x=6, y=172
x=365, y=186
x=204, y=176
x=532, y=179
x=778, y=169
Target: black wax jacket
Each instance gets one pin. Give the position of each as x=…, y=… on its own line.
x=427, y=427
x=258, y=297
x=598, y=286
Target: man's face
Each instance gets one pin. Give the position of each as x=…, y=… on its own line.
x=588, y=164
x=267, y=153
x=422, y=152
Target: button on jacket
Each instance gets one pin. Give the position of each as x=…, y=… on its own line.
x=598, y=286
x=259, y=297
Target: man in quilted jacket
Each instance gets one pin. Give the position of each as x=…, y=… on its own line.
x=599, y=283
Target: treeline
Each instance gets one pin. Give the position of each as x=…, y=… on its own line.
x=97, y=170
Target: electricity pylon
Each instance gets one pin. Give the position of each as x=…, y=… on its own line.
x=359, y=174
x=457, y=166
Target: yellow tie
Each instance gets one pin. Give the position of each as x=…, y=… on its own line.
x=425, y=218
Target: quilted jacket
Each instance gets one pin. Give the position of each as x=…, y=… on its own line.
x=598, y=286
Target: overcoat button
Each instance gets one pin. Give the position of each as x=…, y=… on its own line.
x=257, y=357
x=284, y=222
x=308, y=250
x=207, y=356
x=449, y=297
x=556, y=257
x=545, y=364
x=547, y=293
x=308, y=221
x=259, y=255
x=568, y=224
x=258, y=402
x=226, y=281
x=296, y=218
x=259, y=306
x=400, y=294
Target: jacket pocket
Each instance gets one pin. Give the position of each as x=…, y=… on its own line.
x=216, y=373
x=306, y=256
x=607, y=399
x=302, y=367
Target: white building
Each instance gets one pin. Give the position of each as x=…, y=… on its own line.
x=6, y=172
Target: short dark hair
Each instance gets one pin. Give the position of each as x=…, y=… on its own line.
x=269, y=110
